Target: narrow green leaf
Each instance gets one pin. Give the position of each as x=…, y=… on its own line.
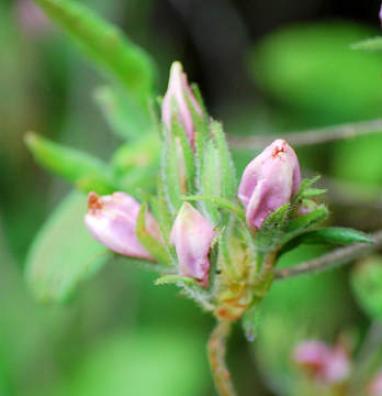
x=125, y=117
x=366, y=282
x=105, y=45
x=336, y=236
x=86, y=172
x=372, y=44
x=152, y=245
x=63, y=253
x=313, y=192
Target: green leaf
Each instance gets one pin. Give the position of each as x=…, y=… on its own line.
x=86, y=172
x=105, y=45
x=125, y=117
x=336, y=236
x=63, y=253
x=367, y=286
x=306, y=222
x=152, y=245
x=371, y=44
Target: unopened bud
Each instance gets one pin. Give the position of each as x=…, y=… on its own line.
x=179, y=103
x=192, y=234
x=112, y=220
x=269, y=181
x=325, y=364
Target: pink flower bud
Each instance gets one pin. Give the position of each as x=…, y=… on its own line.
x=177, y=101
x=269, y=181
x=192, y=234
x=327, y=365
x=112, y=220
x=375, y=387
x=33, y=22
x=380, y=14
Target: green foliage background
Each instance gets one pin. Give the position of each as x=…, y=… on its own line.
x=118, y=334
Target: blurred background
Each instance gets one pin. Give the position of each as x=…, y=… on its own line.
x=263, y=67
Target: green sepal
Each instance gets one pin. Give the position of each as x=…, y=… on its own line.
x=228, y=182
x=371, y=44
x=105, y=45
x=307, y=191
x=152, y=245
x=187, y=153
x=86, y=172
x=162, y=213
x=170, y=174
x=272, y=232
x=175, y=279
x=366, y=283
x=218, y=202
x=313, y=192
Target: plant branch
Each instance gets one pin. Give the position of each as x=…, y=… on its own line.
x=216, y=354
x=310, y=136
x=332, y=259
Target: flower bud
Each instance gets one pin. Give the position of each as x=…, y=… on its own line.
x=112, y=220
x=327, y=365
x=269, y=181
x=380, y=14
x=375, y=387
x=179, y=101
x=192, y=234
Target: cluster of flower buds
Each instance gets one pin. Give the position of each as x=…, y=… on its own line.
x=326, y=365
x=195, y=152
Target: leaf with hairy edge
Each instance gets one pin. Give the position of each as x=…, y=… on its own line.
x=335, y=236
x=63, y=253
x=152, y=245
x=86, y=172
x=105, y=45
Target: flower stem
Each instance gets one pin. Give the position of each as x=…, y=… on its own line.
x=216, y=354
